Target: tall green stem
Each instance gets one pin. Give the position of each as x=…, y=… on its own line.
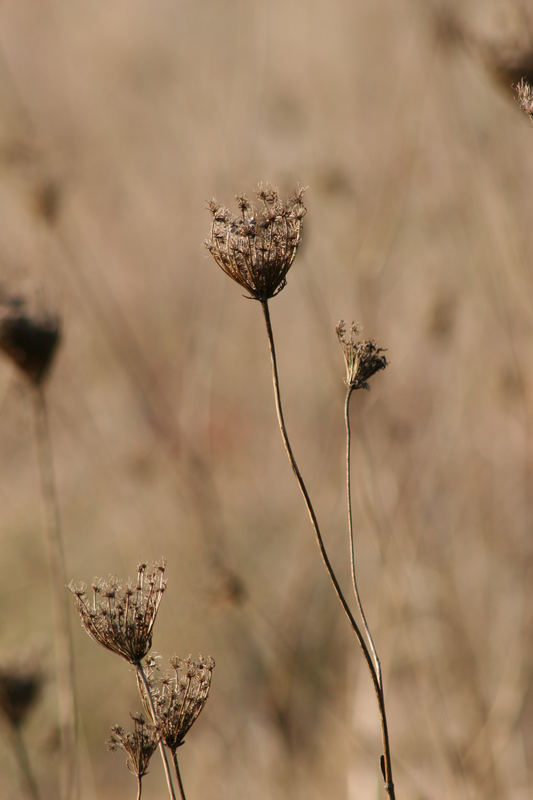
x=66, y=685
x=386, y=759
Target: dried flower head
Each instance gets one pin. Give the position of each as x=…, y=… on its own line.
x=524, y=96
x=257, y=247
x=21, y=681
x=139, y=746
x=179, y=696
x=119, y=618
x=30, y=340
x=362, y=358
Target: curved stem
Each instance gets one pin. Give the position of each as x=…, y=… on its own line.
x=369, y=638
x=386, y=758
x=178, y=775
x=66, y=685
x=139, y=787
x=150, y=700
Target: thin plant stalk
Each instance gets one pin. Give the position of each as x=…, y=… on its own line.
x=148, y=694
x=386, y=763
x=370, y=640
x=21, y=754
x=139, y=787
x=178, y=774
x=66, y=686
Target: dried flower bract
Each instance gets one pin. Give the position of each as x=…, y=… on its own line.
x=258, y=246
x=119, y=618
x=30, y=340
x=139, y=746
x=179, y=696
x=524, y=97
x=362, y=358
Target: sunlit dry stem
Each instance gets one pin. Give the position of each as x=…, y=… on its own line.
x=387, y=765
x=148, y=694
x=370, y=640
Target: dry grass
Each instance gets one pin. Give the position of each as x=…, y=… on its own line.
x=119, y=121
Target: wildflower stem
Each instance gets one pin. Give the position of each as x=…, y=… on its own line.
x=139, y=787
x=386, y=758
x=178, y=774
x=370, y=640
x=21, y=754
x=142, y=677
x=66, y=686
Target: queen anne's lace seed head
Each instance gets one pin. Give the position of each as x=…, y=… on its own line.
x=362, y=358
x=179, y=696
x=139, y=745
x=29, y=339
x=257, y=247
x=21, y=682
x=524, y=96
x=119, y=618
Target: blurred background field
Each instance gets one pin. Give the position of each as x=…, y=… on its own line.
x=119, y=121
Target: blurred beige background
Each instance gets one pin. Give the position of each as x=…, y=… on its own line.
x=119, y=121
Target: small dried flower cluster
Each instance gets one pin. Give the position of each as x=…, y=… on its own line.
x=524, y=96
x=21, y=682
x=362, y=358
x=29, y=339
x=121, y=619
x=257, y=248
x=179, y=697
x=139, y=746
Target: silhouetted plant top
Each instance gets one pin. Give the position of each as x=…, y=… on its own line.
x=21, y=682
x=121, y=618
x=29, y=340
x=257, y=247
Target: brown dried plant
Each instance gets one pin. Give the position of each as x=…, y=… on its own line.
x=179, y=696
x=257, y=247
x=21, y=683
x=138, y=745
x=30, y=339
x=233, y=243
x=122, y=618
x=524, y=97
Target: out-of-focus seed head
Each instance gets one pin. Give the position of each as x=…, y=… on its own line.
x=121, y=618
x=29, y=339
x=21, y=682
x=524, y=97
x=362, y=358
x=257, y=247
x=138, y=745
x=179, y=696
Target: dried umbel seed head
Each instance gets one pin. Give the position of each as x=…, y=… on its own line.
x=21, y=682
x=362, y=358
x=524, y=97
x=258, y=246
x=30, y=340
x=121, y=618
x=179, y=696
x=139, y=745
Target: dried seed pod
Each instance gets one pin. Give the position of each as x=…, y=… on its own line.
x=257, y=247
x=362, y=358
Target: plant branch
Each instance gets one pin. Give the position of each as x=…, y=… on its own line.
x=386, y=758
x=370, y=640
x=178, y=774
x=66, y=685
x=149, y=699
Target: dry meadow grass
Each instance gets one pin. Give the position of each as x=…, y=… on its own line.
x=119, y=120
